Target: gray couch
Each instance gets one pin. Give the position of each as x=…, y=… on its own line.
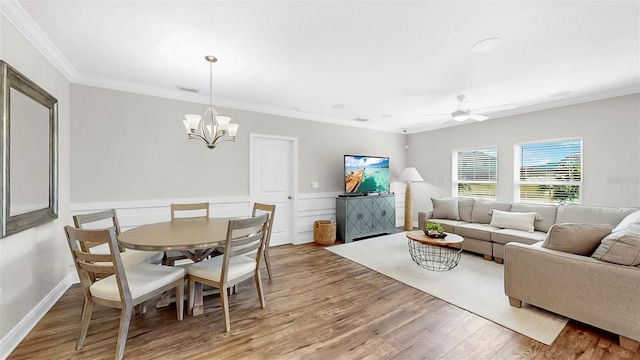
x=601, y=293
x=474, y=216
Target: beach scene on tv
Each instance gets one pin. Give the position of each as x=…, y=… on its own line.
x=364, y=174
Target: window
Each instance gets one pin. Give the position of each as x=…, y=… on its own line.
x=475, y=173
x=549, y=171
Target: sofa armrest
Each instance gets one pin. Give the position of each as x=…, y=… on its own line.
x=598, y=293
x=423, y=216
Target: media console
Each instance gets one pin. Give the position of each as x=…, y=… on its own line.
x=360, y=216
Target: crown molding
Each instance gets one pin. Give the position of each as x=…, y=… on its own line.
x=218, y=102
x=634, y=89
x=19, y=18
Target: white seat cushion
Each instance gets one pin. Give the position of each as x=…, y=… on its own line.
x=212, y=268
x=142, y=278
x=134, y=257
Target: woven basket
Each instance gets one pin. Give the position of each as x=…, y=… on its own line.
x=324, y=232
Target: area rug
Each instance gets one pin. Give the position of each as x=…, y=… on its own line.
x=475, y=285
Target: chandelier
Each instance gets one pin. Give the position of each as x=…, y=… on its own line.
x=210, y=128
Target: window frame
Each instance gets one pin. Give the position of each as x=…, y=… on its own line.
x=455, y=181
x=517, y=168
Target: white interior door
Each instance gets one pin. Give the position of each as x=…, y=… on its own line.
x=273, y=181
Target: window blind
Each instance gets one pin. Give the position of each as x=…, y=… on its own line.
x=476, y=172
x=549, y=171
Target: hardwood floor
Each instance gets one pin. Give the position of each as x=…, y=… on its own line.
x=319, y=306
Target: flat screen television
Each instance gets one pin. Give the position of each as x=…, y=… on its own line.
x=366, y=174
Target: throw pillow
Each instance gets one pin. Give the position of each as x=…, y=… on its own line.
x=445, y=208
x=629, y=219
x=513, y=220
x=579, y=239
x=621, y=247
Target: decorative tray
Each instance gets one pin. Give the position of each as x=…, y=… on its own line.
x=436, y=236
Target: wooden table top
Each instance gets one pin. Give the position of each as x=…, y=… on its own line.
x=180, y=235
x=419, y=236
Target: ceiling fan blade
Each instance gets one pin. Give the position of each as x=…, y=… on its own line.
x=477, y=117
x=444, y=121
x=491, y=109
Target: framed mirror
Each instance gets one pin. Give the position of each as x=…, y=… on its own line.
x=28, y=153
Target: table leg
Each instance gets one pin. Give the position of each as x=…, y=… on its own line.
x=167, y=298
x=198, y=308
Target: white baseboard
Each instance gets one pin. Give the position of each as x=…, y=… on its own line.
x=22, y=329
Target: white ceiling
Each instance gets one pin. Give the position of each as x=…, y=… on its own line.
x=334, y=61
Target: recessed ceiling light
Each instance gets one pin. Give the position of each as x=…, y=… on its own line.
x=486, y=44
x=560, y=93
x=361, y=119
x=338, y=106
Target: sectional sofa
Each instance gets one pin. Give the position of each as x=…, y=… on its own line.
x=582, y=262
x=472, y=219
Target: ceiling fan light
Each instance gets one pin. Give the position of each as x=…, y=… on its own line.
x=460, y=115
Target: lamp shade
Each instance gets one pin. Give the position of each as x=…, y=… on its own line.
x=410, y=174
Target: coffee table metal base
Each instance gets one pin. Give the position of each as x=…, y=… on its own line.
x=434, y=257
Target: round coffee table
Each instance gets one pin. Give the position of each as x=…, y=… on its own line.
x=436, y=254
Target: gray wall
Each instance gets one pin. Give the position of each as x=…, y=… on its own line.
x=127, y=146
x=610, y=130
x=34, y=261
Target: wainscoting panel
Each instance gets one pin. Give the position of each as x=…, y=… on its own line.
x=135, y=213
x=311, y=207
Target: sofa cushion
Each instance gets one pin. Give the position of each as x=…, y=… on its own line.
x=592, y=214
x=621, y=247
x=579, y=239
x=547, y=214
x=504, y=236
x=513, y=220
x=475, y=231
x=465, y=206
x=629, y=219
x=445, y=208
x=447, y=225
x=480, y=213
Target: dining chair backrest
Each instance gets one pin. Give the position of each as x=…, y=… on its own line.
x=92, y=266
x=244, y=236
x=189, y=210
x=98, y=220
x=258, y=209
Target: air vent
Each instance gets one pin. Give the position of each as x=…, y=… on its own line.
x=361, y=119
x=182, y=88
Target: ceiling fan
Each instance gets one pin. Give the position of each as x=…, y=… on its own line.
x=463, y=112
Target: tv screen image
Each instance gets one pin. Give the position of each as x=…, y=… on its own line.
x=366, y=174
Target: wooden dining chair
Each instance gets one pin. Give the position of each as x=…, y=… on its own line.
x=241, y=260
x=105, y=281
x=108, y=218
x=258, y=209
x=184, y=211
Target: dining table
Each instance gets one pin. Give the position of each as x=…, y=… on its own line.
x=196, y=238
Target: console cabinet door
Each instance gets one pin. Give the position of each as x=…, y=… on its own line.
x=365, y=216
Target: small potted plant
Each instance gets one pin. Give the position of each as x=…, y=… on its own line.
x=433, y=229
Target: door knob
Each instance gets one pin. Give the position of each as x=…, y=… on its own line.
x=289, y=197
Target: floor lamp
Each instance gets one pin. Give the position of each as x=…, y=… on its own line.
x=409, y=175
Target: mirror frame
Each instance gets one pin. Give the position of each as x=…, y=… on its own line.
x=12, y=79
